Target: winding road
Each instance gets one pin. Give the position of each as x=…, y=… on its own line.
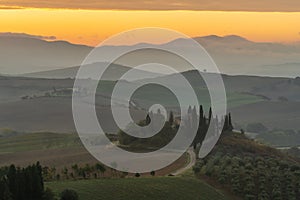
x=191, y=163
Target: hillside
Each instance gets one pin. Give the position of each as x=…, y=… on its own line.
x=113, y=72
x=271, y=101
x=250, y=170
x=162, y=188
x=58, y=150
x=51, y=149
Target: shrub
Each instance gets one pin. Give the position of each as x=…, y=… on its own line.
x=69, y=195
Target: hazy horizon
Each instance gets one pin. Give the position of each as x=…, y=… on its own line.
x=53, y=38
x=234, y=55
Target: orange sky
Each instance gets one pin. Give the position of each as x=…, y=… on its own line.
x=214, y=5
x=92, y=26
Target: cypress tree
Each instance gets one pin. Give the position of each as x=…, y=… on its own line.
x=226, y=123
x=210, y=114
x=230, y=126
x=189, y=110
x=201, y=116
x=194, y=118
x=12, y=181
x=171, y=118
x=148, y=119
x=4, y=190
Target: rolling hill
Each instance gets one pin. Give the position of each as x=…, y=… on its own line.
x=274, y=101
x=113, y=72
x=162, y=188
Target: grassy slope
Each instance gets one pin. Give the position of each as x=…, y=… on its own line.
x=129, y=188
x=152, y=94
x=55, y=149
x=38, y=141
x=159, y=188
x=237, y=144
x=55, y=114
x=51, y=149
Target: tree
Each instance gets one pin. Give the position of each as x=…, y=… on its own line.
x=65, y=171
x=137, y=175
x=26, y=183
x=194, y=117
x=201, y=115
x=38, y=183
x=148, y=119
x=69, y=194
x=230, y=126
x=210, y=114
x=75, y=169
x=171, y=118
x=12, y=180
x=202, y=128
x=226, y=124
x=189, y=110
x=52, y=172
x=100, y=168
x=152, y=173
x=87, y=169
x=4, y=190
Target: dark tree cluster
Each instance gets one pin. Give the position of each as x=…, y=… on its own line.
x=204, y=123
x=22, y=183
x=192, y=121
x=28, y=184
x=165, y=135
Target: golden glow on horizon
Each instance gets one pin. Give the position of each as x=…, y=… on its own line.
x=93, y=26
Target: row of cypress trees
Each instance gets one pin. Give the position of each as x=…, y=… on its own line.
x=22, y=183
x=204, y=122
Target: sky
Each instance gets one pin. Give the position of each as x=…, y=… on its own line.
x=92, y=21
x=215, y=5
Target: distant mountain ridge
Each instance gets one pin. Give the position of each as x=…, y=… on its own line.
x=233, y=54
x=20, y=55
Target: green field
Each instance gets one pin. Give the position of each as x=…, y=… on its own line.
x=38, y=141
x=238, y=99
x=152, y=94
x=51, y=149
x=55, y=150
x=159, y=188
